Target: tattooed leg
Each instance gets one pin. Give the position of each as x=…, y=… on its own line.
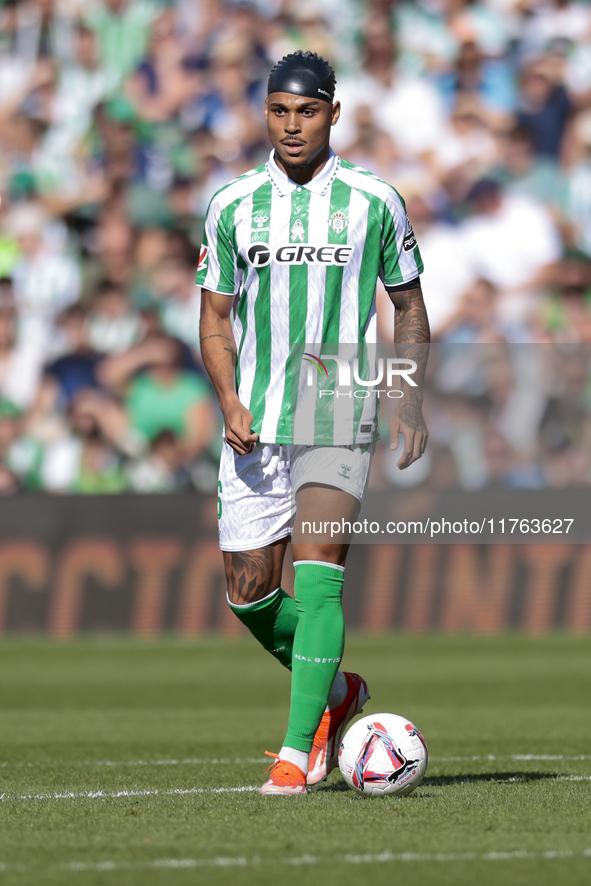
x=252, y=575
x=257, y=600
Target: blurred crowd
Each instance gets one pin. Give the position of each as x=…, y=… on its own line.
x=119, y=119
x=500, y=416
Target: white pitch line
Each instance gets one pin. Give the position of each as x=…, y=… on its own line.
x=180, y=792
x=226, y=761
x=548, y=757
x=522, y=778
x=189, y=762
x=508, y=757
x=386, y=857
x=113, y=795
x=242, y=760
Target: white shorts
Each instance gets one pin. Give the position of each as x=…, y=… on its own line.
x=256, y=492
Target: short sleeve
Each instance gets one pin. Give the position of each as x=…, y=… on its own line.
x=400, y=259
x=218, y=270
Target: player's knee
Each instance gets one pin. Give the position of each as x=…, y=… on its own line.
x=250, y=576
x=328, y=552
x=249, y=593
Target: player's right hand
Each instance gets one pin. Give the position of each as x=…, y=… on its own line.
x=238, y=421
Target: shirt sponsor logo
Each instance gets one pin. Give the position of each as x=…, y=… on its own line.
x=259, y=255
x=410, y=241
x=202, y=258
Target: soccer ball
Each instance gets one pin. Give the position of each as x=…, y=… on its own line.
x=383, y=754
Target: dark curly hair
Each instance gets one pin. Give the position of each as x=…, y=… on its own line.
x=306, y=61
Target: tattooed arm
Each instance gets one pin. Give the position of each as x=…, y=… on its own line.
x=411, y=337
x=218, y=350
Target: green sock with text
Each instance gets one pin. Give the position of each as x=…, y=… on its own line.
x=317, y=647
x=272, y=621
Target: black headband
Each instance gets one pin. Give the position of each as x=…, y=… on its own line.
x=303, y=73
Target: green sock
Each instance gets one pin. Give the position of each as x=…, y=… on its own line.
x=272, y=621
x=318, y=647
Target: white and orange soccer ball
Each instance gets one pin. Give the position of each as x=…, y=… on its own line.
x=383, y=754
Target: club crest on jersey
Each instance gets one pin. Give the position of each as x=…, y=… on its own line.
x=260, y=220
x=297, y=231
x=410, y=241
x=202, y=258
x=338, y=221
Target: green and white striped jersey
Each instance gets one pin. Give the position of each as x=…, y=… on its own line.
x=304, y=261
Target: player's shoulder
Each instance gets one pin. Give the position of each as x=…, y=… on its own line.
x=364, y=180
x=240, y=187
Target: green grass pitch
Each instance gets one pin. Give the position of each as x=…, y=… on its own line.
x=121, y=760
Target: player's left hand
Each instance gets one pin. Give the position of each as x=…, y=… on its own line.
x=408, y=420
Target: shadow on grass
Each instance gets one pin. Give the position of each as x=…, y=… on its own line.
x=445, y=780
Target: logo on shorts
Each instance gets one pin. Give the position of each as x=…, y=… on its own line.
x=338, y=221
x=345, y=469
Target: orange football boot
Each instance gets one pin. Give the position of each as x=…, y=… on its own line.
x=324, y=755
x=286, y=779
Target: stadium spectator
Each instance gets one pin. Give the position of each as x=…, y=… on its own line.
x=578, y=200
x=179, y=301
x=21, y=360
x=122, y=28
x=158, y=394
x=513, y=242
x=565, y=314
x=20, y=454
x=84, y=461
x=398, y=96
x=75, y=369
x=82, y=84
x=45, y=279
x=488, y=80
x=475, y=319
x=163, y=82
x=521, y=171
x=544, y=108
x=447, y=273
x=112, y=324
x=161, y=469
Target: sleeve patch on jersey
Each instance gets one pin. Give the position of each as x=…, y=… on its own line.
x=410, y=241
x=203, y=258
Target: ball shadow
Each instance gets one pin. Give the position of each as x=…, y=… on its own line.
x=447, y=780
